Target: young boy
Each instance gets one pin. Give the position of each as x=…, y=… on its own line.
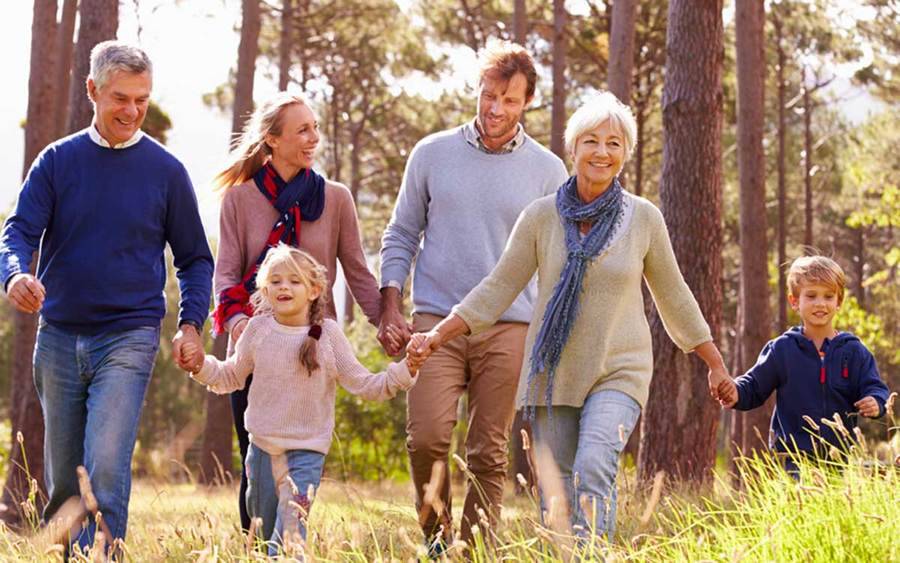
x=817, y=370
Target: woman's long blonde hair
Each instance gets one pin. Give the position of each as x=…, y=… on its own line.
x=314, y=276
x=250, y=150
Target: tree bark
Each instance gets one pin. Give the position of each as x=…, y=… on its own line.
x=26, y=458
x=756, y=319
x=782, y=172
x=215, y=457
x=520, y=22
x=98, y=21
x=680, y=420
x=247, y=52
x=558, y=113
x=285, y=48
x=807, y=167
x=621, y=49
x=65, y=51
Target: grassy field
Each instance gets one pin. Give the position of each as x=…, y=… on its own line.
x=846, y=514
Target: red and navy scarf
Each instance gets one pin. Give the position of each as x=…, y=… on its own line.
x=301, y=199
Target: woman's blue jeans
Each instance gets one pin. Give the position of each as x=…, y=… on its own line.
x=585, y=444
x=304, y=468
x=92, y=389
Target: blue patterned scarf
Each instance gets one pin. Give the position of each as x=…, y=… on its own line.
x=604, y=213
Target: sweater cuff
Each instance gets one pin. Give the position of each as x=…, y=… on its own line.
x=401, y=372
x=205, y=372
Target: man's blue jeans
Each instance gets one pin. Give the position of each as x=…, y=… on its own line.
x=585, y=444
x=92, y=390
x=304, y=468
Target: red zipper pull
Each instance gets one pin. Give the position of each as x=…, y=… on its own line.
x=822, y=374
x=845, y=373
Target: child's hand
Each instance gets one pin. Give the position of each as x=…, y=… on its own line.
x=722, y=388
x=868, y=407
x=194, y=356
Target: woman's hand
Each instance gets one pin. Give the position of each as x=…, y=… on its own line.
x=722, y=388
x=421, y=346
x=238, y=329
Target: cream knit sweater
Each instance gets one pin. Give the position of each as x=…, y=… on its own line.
x=610, y=345
x=288, y=407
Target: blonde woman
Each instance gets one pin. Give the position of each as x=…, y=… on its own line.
x=271, y=194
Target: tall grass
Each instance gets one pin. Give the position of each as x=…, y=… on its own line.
x=846, y=510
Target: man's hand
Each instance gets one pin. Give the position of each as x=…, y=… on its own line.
x=868, y=407
x=26, y=293
x=393, y=330
x=187, y=348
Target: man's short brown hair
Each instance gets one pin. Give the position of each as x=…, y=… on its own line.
x=820, y=270
x=503, y=59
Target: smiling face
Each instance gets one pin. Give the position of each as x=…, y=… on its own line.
x=816, y=304
x=500, y=107
x=290, y=296
x=120, y=105
x=294, y=148
x=598, y=157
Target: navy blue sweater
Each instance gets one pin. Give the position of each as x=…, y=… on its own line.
x=105, y=216
x=810, y=385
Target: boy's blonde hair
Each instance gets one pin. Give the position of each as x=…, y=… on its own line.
x=816, y=270
x=314, y=276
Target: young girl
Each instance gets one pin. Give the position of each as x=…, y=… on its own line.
x=296, y=357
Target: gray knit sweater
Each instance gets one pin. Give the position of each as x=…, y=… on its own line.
x=454, y=213
x=610, y=345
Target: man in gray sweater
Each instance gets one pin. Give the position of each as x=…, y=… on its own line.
x=462, y=191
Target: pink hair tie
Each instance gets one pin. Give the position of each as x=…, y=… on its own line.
x=315, y=331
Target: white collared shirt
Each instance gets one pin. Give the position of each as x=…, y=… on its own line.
x=98, y=138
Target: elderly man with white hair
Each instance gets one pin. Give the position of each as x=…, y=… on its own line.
x=102, y=204
x=591, y=359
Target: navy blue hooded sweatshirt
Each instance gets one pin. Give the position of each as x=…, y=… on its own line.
x=810, y=385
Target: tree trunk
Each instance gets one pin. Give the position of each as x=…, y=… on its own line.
x=247, y=52
x=807, y=166
x=558, y=114
x=782, y=172
x=65, y=51
x=286, y=45
x=520, y=22
x=215, y=457
x=640, y=117
x=621, y=49
x=680, y=420
x=26, y=458
x=98, y=21
x=756, y=320
x=859, y=262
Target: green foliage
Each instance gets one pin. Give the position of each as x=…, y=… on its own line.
x=157, y=123
x=369, y=436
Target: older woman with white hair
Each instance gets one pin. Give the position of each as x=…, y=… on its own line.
x=591, y=359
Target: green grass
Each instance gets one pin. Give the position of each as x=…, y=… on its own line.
x=852, y=514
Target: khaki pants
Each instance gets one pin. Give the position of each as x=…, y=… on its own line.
x=487, y=366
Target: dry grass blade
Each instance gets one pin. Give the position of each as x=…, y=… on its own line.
x=90, y=502
x=655, y=493
x=553, y=491
x=431, y=500
x=63, y=525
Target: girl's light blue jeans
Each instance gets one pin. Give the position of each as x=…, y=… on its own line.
x=305, y=470
x=585, y=444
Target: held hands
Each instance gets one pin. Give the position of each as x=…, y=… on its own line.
x=26, y=293
x=421, y=346
x=393, y=330
x=414, y=362
x=868, y=407
x=187, y=349
x=722, y=388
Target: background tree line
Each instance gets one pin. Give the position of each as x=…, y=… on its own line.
x=741, y=143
